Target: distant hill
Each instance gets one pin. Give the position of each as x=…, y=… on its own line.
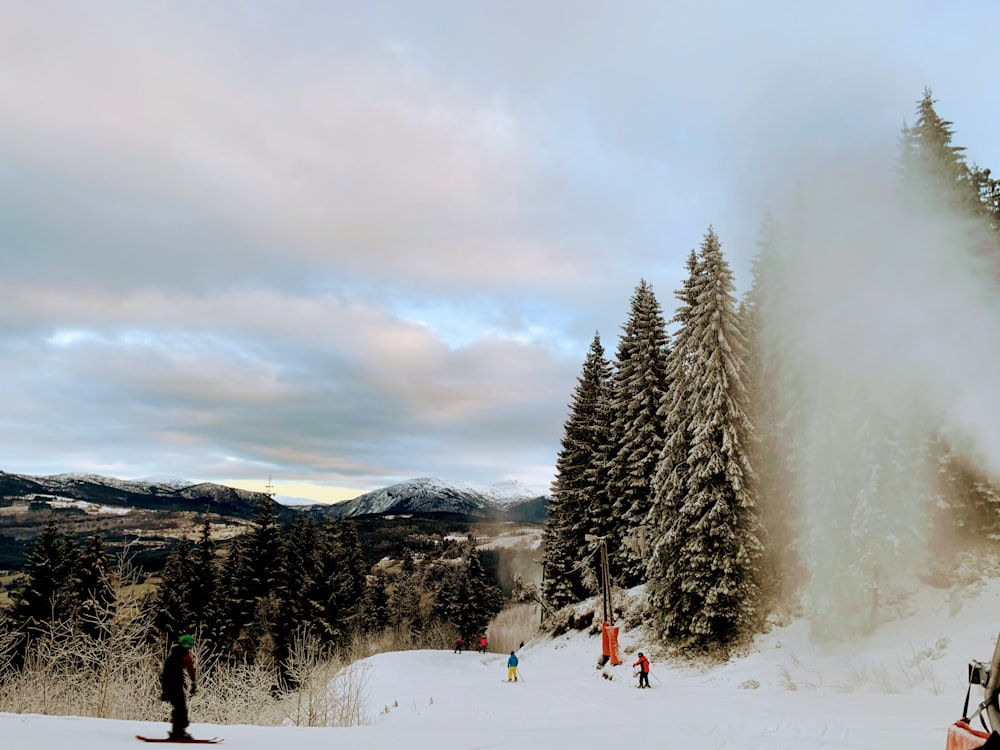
x=148, y=516
x=507, y=501
x=60, y=489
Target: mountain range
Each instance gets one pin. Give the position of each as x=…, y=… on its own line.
x=505, y=501
x=510, y=500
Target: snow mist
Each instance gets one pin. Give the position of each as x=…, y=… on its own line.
x=883, y=320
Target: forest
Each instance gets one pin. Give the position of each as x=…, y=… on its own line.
x=791, y=450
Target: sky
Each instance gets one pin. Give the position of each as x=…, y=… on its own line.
x=333, y=246
x=899, y=687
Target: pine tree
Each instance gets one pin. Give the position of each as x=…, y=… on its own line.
x=404, y=609
x=173, y=609
x=579, y=503
x=375, y=615
x=934, y=168
x=637, y=431
x=96, y=590
x=47, y=594
x=709, y=589
x=204, y=588
x=670, y=483
x=349, y=574
x=466, y=600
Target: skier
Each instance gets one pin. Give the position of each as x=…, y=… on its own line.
x=482, y=645
x=178, y=662
x=643, y=664
x=458, y=645
x=512, y=667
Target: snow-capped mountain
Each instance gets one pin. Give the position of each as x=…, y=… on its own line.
x=509, y=499
x=170, y=495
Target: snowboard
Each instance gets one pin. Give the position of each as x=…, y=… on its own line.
x=210, y=741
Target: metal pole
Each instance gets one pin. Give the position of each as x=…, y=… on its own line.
x=604, y=579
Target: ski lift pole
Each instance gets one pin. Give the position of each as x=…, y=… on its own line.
x=605, y=593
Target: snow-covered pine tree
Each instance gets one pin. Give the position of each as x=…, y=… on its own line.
x=670, y=483
x=637, y=432
x=709, y=589
x=935, y=175
x=578, y=504
x=933, y=165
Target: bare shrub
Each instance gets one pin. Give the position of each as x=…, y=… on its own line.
x=329, y=693
x=514, y=624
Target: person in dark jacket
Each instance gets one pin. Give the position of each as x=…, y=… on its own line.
x=178, y=661
x=643, y=664
x=458, y=645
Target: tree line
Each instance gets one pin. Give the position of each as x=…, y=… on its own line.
x=258, y=599
x=679, y=454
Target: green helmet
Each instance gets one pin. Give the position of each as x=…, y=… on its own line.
x=187, y=641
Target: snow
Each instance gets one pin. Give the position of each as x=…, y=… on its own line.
x=900, y=687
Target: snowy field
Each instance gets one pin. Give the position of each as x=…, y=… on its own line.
x=899, y=688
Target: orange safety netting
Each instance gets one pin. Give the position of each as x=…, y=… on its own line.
x=609, y=643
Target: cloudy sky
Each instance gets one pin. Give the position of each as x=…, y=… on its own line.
x=342, y=244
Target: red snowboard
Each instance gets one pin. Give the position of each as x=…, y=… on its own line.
x=211, y=741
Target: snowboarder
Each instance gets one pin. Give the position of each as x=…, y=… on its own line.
x=512, y=667
x=482, y=645
x=178, y=661
x=458, y=645
x=643, y=664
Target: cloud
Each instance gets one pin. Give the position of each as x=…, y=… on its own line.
x=287, y=239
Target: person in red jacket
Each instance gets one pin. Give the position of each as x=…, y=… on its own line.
x=643, y=664
x=482, y=645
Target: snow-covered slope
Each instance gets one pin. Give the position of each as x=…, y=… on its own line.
x=899, y=687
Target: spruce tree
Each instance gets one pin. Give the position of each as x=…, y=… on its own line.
x=48, y=584
x=670, y=483
x=709, y=589
x=173, y=608
x=637, y=432
x=204, y=588
x=579, y=503
x=349, y=574
x=466, y=600
x=375, y=616
x=96, y=588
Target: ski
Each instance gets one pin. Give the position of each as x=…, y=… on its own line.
x=194, y=741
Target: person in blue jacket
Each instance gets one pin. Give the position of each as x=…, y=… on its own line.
x=512, y=667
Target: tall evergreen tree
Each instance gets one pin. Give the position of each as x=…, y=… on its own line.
x=709, y=589
x=349, y=574
x=173, y=609
x=637, y=431
x=204, y=588
x=48, y=591
x=579, y=503
x=466, y=600
x=96, y=588
x=670, y=483
x=376, y=610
